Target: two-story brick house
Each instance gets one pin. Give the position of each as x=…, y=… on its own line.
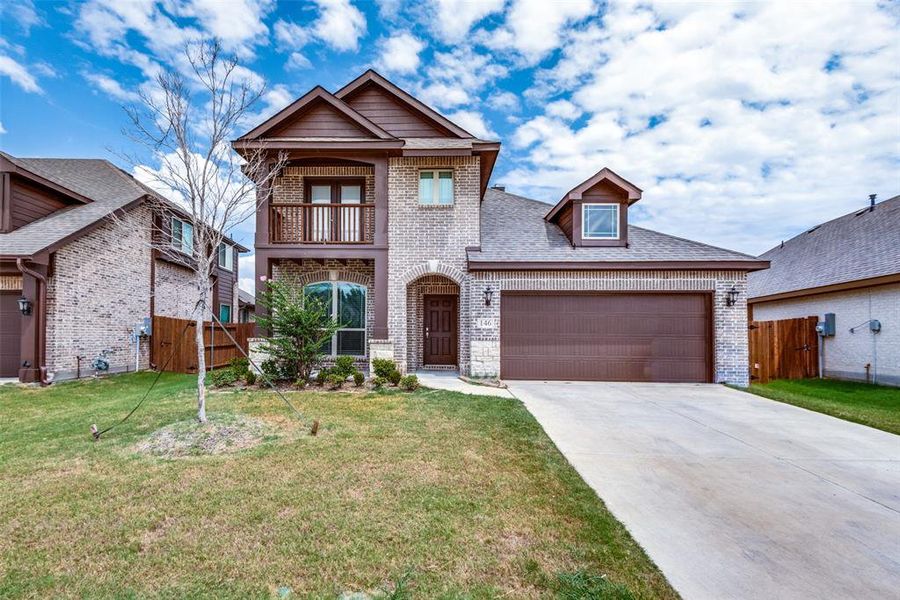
x=75, y=282
x=383, y=211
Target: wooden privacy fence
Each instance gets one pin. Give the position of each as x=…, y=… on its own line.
x=785, y=349
x=167, y=338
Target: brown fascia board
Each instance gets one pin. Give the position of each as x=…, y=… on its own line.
x=8, y=166
x=646, y=265
x=634, y=192
x=317, y=93
x=827, y=289
x=295, y=144
x=371, y=76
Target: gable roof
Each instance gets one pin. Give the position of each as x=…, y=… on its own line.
x=514, y=231
x=10, y=164
x=106, y=186
x=856, y=247
x=316, y=95
x=604, y=174
x=371, y=77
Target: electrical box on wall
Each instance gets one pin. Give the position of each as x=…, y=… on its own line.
x=826, y=328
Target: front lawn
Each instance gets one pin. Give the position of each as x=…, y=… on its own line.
x=428, y=495
x=873, y=405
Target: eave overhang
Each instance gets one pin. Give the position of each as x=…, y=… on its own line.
x=645, y=265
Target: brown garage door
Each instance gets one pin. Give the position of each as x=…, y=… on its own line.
x=605, y=337
x=10, y=324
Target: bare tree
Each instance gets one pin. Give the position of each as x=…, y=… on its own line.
x=187, y=122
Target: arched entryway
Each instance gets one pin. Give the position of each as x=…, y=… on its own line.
x=433, y=323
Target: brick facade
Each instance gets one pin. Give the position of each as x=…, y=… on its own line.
x=730, y=352
x=98, y=289
x=176, y=293
x=846, y=354
x=415, y=311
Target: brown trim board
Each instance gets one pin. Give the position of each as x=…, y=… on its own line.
x=827, y=289
x=646, y=265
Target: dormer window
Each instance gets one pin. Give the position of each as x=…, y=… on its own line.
x=436, y=187
x=600, y=221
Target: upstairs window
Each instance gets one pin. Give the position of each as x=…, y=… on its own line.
x=226, y=256
x=600, y=221
x=183, y=236
x=436, y=187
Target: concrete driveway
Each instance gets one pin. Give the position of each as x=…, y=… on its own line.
x=732, y=495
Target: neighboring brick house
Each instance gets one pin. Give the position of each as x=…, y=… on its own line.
x=849, y=266
x=384, y=212
x=87, y=281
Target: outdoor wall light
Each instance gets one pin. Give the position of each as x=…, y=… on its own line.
x=488, y=294
x=731, y=297
x=24, y=306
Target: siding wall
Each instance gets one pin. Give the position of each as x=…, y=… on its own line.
x=846, y=354
x=30, y=203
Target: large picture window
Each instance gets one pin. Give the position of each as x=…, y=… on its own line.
x=346, y=302
x=600, y=221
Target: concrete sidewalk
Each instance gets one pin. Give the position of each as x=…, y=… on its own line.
x=449, y=380
x=733, y=495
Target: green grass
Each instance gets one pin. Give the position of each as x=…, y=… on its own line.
x=429, y=495
x=873, y=405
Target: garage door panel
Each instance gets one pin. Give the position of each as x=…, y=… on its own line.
x=605, y=337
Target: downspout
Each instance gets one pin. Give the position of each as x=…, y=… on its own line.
x=42, y=317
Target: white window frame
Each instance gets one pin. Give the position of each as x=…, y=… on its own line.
x=180, y=246
x=618, y=216
x=436, y=187
x=229, y=256
x=334, y=312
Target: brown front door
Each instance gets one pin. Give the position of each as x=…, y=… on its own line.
x=440, y=333
x=10, y=333
x=606, y=337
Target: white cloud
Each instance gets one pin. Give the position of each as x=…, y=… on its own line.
x=247, y=273
x=19, y=74
x=455, y=78
x=504, y=101
x=453, y=19
x=238, y=25
x=533, y=28
x=22, y=12
x=297, y=62
x=111, y=87
x=340, y=24
x=400, y=53
x=2, y=128
x=730, y=122
x=473, y=122
x=290, y=35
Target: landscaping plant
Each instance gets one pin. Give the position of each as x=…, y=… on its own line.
x=358, y=379
x=394, y=377
x=298, y=327
x=382, y=367
x=410, y=383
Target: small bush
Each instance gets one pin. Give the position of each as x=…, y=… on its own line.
x=240, y=364
x=222, y=377
x=322, y=376
x=301, y=383
x=358, y=379
x=394, y=377
x=378, y=383
x=269, y=368
x=334, y=381
x=410, y=383
x=383, y=367
x=250, y=377
x=344, y=365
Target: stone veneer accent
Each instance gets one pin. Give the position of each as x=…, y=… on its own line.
x=98, y=289
x=730, y=352
x=429, y=240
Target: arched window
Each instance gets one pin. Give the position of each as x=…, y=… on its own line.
x=346, y=302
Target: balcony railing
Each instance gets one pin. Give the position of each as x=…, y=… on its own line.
x=322, y=223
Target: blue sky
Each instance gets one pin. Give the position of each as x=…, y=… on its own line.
x=744, y=123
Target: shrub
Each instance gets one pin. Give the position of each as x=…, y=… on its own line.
x=394, y=377
x=383, y=367
x=358, y=379
x=322, y=375
x=344, y=365
x=334, y=381
x=222, y=377
x=249, y=377
x=301, y=383
x=410, y=383
x=378, y=383
x=277, y=371
x=240, y=364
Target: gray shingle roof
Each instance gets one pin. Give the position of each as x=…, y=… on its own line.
x=99, y=180
x=513, y=229
x=859, y=245
x=246, y=298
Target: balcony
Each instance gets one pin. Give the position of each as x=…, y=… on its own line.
x=321, y=223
